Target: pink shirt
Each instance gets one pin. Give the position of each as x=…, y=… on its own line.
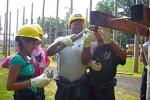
x=40, y=61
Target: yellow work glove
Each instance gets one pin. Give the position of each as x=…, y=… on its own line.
x=40, y=81
x=88, y=38
x=65, y=40
x=106, y=36
x=95, y=66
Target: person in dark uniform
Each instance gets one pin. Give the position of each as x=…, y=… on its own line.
x=108, y=54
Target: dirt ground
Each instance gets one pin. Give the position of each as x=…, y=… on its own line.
x=129, y=83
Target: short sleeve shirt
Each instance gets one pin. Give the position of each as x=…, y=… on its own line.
x=106, y=56
x=25, y=67
x=69, y=61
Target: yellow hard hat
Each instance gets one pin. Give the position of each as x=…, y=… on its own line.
x=75, y=17
x=39, y=28
x=29, y=31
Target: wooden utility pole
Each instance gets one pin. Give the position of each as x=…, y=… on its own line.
x=87, y=14
x=16, y=29
x=23, y=16
x=4, y=38
x=57, y=22
x=32, y=13
x=90, y=9
x=17, y=20
x=136, y=48
x=9, y=46
x=43, y=11
x=136, y=53
x=6, y=26
x=71, y=7
x=43, y=18
x=50, y=38
x=115, y=14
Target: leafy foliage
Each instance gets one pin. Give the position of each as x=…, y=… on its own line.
x=124, y=9
x=50, y=28
x=105, y=6
x=124, y=6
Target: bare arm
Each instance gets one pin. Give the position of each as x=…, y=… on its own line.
x=86, y=56
x=54, y=48
x=62, y=42
x=12, y=77
x=120, y=53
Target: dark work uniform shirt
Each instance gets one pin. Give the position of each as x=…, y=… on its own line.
x=106, y=56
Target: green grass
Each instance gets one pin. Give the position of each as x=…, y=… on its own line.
x=8, y=95
x=5, y=95
x=128, y=68
x=121, y=94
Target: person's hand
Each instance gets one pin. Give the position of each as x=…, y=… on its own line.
x=146, y=66
x=95, y=66
x=65, y=40
x=40, y=81
x=106, y=36
x=88, y=38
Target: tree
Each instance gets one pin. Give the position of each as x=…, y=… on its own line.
x=124, y=7
x=105, y=6
x=49, y=27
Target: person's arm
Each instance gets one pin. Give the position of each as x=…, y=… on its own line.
x=12, y=84
x=93, y=36
x=143, y=58
x=59, y=44
x=86, y=56
x=12, y=77
x=86, y=53
x=52, y=49
x=120, y=53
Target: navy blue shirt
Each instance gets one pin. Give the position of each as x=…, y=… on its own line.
x=106, y=56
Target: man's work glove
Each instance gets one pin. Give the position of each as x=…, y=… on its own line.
x=146, y=66
x=40, y=81
x=88, y=38
x=65, y=40
x=95, y=66
x=106, y=36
